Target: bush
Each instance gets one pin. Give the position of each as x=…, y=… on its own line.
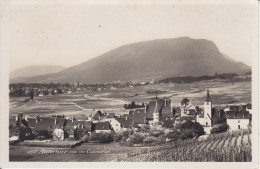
x=136, y=138
x=187, y=134
x=173, y=136
x=126, y=134
x=195, y=127
x=44, y=134
x=101, y=137
x=117, y=137
x=156, y=133
x=223, y=127
x=150, y=140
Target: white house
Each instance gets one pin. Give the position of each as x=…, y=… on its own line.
x=238, y=120
x=115, y=124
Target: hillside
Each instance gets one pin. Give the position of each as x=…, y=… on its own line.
x=30, y=71
x=150, y=59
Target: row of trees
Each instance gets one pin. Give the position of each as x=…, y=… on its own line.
x=190, y=79
x=133, y=105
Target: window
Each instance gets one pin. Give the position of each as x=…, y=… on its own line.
x=238, y=121
x=207, y=103
x=206, y=123
x=116, y=124
x=238, y=126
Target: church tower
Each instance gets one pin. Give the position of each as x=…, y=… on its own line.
x=156, y=114
x=207, y=110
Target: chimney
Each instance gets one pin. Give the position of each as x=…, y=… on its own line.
x=72, y=119
x=16, y=118
x=145, y=108
x=126, y=117
x=99, y=117
x=26, y=118
x=55, y=121
x=165, y=101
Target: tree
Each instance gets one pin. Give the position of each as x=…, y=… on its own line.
x=185, y=102
x=132, y=106
x=194, y=127
x=31, y=94
x=136, y=138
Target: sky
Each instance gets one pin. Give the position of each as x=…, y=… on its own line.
x=70, y=32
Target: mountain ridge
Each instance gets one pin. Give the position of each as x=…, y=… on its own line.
x=149, y=59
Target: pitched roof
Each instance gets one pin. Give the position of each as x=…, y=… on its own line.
x=201, y=115
x=88, y=125
x=162, y=106
x=238, y=114
x=102, y=126
x=139, y=116
x=48, y=123
x=208, y=98
x=97, y=115
x=126, y=122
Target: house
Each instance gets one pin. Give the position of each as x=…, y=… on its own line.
x=49, y=123
x=100, y=127
x=69, y=132
x=72, y=125
x=238, y=119
x=58, y=134
x=156, y=112
x=125, y=121
x=115, y=124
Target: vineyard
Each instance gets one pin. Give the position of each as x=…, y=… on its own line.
x=225, y=147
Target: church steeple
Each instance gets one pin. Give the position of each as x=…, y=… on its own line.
x=208, y=98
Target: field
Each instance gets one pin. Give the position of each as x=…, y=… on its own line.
x=219, y=148
x=85, y=103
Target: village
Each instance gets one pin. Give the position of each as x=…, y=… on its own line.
x=156, y=115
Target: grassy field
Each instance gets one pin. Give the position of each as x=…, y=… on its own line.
x=85, y=103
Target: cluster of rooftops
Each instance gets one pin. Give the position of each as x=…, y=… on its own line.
x=101, y=121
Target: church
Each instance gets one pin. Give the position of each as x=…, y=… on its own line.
x=205, y=118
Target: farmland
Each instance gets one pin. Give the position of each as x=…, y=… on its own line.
x=86, y=102
x=220, y=148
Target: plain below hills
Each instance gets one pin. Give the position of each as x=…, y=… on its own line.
x=149, y=59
